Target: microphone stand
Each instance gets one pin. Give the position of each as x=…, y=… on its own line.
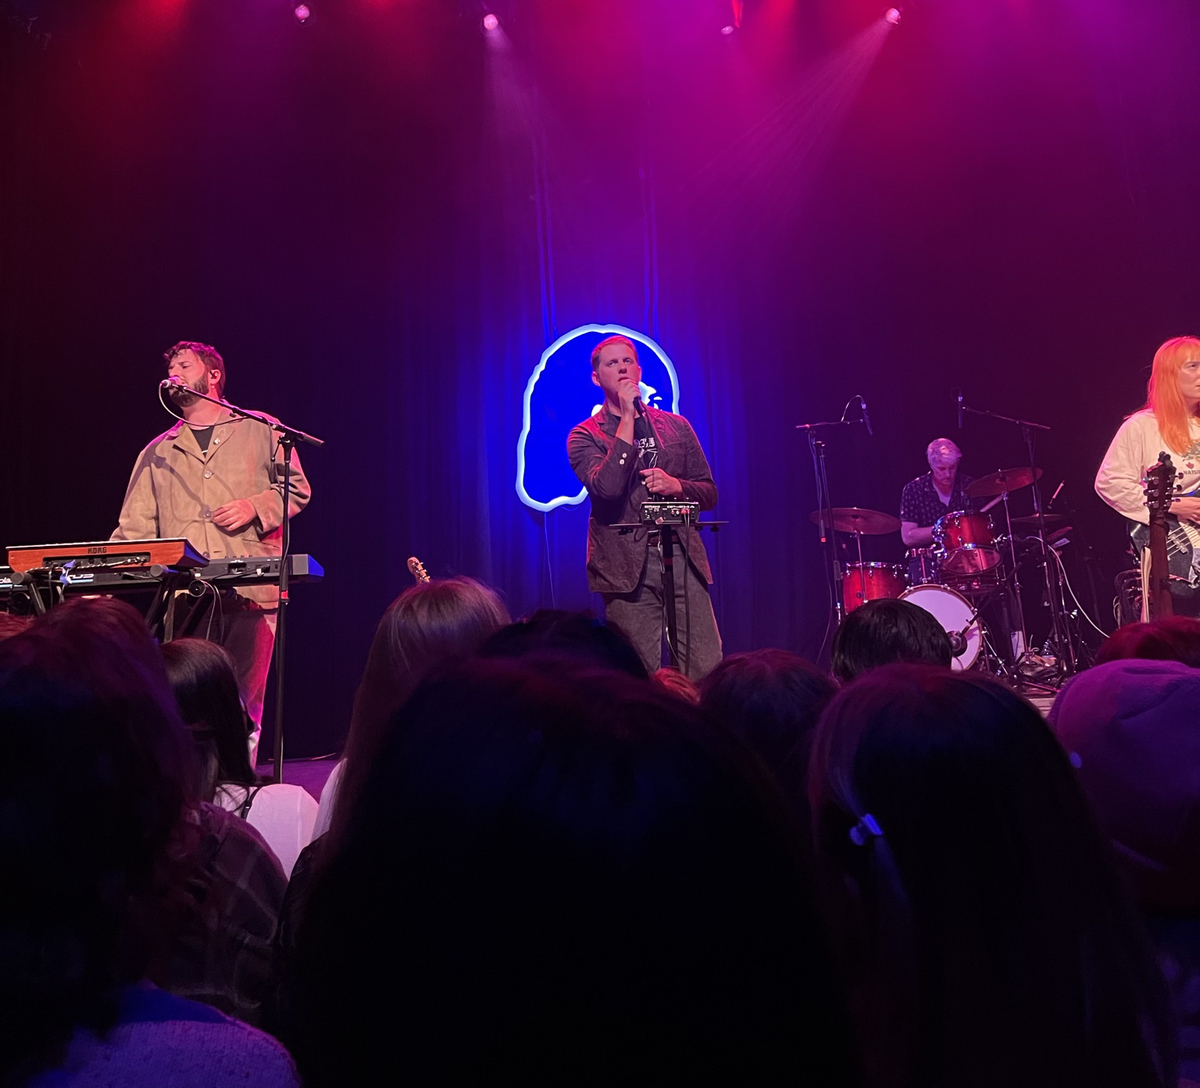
x=288, y=437
x=833, y=570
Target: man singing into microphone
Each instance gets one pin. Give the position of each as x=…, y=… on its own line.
x=626, y=454
x=216, y=480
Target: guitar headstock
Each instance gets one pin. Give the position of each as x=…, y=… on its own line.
x=1160, y=485
x=417, y=569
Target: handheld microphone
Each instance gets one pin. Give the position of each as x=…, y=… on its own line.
x=638, y=407
x=866, y=418
x=958, y=393
x=174, y=382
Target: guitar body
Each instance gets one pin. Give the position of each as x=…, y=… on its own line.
x=1182, y=541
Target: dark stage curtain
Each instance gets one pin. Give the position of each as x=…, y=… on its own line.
x=383, y=217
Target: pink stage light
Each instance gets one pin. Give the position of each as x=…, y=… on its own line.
x=892, y=15
x=737, y=8
x=490, y=22
x=302, y=12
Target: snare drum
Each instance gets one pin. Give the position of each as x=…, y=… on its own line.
x=966, y=543
x=971, y=585
x=953, y=611
x=922, y=566
x=862, y=582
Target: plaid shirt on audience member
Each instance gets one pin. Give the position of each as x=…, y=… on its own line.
x=223, y=955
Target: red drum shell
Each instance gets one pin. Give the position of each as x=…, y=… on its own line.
x=967, y=543
x=862, y=582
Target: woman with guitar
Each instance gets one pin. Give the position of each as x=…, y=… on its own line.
x=1169, y=422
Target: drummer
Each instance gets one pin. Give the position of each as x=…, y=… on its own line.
x=927, y=499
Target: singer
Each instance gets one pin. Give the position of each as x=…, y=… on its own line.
x=216, y=480
x=625, y=454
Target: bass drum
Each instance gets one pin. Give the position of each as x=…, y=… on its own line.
x=953, y=612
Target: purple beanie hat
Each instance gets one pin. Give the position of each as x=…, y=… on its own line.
x=1132, y=731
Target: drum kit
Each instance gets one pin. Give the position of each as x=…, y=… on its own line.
x=968, y=567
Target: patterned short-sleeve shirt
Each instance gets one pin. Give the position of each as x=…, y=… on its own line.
x=920, y=503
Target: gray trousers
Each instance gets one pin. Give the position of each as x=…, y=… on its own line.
x=641, y=616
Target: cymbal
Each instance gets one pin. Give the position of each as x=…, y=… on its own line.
x=854, y=519
x=1052, y=520
x=1007, y=479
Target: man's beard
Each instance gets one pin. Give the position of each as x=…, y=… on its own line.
x=184, y=399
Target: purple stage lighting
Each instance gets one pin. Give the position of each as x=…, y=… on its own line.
x=302, y=12
x=490, y=22
x=892, y=15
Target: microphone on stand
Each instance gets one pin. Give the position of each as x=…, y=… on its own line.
x=174, y=382
x=958, y=394
x=866, y=418
x=958, y=642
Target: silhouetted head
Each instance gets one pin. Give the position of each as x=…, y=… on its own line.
x=577, y=635
x=771, y=699
x=428, y=624
x=1169, y=638
x=95, y=781
x=977, y=901
x=677, y=684
x=886, y=631
x=565, y=872
x=203, y=678
x=12, y=624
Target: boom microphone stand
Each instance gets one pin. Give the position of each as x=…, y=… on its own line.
x=833, y=570
x=1060, y=631
x=288, y=437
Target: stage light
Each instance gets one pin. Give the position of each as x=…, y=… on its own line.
x=490, y=21
x=302, y=12
x=731, y=20
x=892, y=15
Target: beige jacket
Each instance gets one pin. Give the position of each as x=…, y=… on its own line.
x=175, y=488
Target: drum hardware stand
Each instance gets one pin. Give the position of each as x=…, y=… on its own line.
x=1016, y=569
x=995, y=665
x=1065, y=653
x=825, y=505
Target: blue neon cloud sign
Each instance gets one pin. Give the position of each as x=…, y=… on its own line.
x=559, y=394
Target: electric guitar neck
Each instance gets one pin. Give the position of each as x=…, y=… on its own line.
x=1160, y=491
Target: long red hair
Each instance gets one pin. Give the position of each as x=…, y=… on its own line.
x=1163, y=397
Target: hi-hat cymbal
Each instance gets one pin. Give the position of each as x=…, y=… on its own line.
x=854, y=519
x=1006, y=479
x=1052, y=520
